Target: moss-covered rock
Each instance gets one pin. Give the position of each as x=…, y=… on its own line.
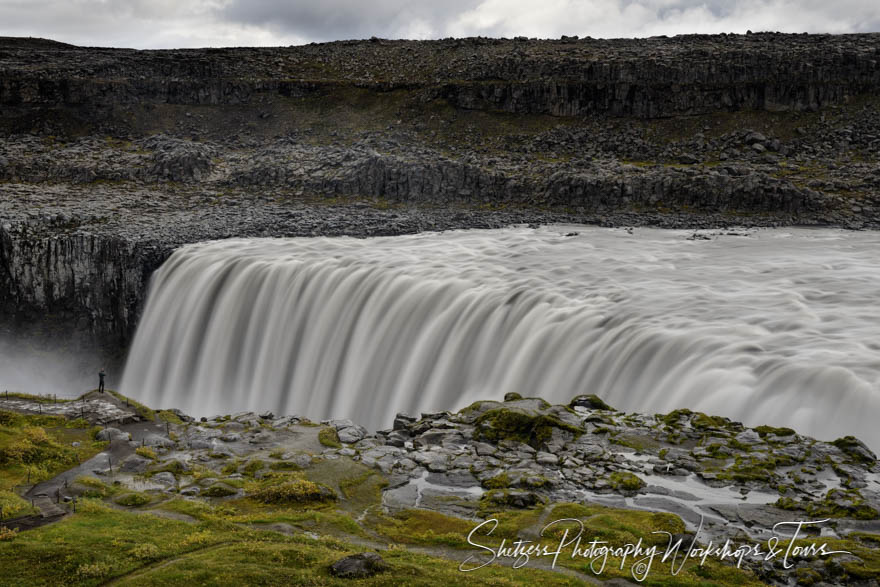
x=496, y=499
x=837, y=503
x=764, y=431
x=219, y=490
x=294, y=491
x=526, y=426
x=133, y=499
x=591, y=401
x=500, y=481
x=856, y=450
x=328, y=437
x=625, y=481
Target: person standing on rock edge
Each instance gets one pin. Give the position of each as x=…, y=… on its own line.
x=101, y=375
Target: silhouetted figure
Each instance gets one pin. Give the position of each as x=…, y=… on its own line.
x=101, y=375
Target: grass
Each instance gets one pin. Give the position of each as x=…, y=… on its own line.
x=99, y=545
x=142, y=410
x=13, y=506
x=328, y=437
x=35, y=448
x=41, y=399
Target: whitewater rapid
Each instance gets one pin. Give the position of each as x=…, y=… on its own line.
x=772, y=327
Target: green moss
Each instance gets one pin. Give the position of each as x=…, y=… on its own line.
x=133, y=499
x=95, y=488
x=173, y=466
x=853, y=449
x=170, y=417
x=496, y=500
x=146, y=452
x=702, y=421
x=747, y=468
x=626, y=481
x=328, y=437
x=219, y=490
x=766, y=430
x=514, y=424
x=572, y=510
x=500, y=481
x=291, y=490
x=674, y=417
x=142, y=410
x=591, y=401
x=837, y=503
x=253, y=466
x=285, y=466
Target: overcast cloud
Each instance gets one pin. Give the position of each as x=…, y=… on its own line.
x=199, y=23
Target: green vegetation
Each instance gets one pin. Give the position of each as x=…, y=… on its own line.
x=169, y=416
x=146, y=452
x=853, y=448
x=253, y=466
x=500, y=481
x=35, y=448
x=142, y=410
x=133, y=499
x=98, y=545
x=173, y=466
x=328, y=437
x=626, y=481
x=95, y=488
x=837, y=503
x=592, y=401
x=763, y=431
x=219, y=490
x=12, y=506
x=289, y=489
x=513, y=424
x=746, y=468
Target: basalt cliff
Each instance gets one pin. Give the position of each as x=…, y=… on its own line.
x=111, y=158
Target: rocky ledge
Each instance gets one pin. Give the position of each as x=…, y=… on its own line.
x=719, y=479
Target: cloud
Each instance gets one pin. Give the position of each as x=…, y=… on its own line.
x=194, y=23
x=140, y=24
x=628, y=18
x=350, y=19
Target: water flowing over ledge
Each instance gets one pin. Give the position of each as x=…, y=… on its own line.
x=776, y=327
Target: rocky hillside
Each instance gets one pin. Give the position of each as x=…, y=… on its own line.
x=110, y=158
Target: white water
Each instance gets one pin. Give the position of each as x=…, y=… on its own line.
x=778, y=327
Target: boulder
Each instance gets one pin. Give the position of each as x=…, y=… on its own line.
x=358, y=566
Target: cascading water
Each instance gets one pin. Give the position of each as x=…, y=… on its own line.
x=776, y=327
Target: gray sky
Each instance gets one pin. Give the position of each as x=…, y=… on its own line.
x=199, y=23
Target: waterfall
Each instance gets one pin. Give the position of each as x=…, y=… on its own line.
x=773, y=327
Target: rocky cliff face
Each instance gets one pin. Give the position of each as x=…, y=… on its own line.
x=654, y=77
x=110, y=158
x=90, y=283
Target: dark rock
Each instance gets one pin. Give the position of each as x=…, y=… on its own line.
x=359, y=566
x=402, y=421
x=591, y=401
